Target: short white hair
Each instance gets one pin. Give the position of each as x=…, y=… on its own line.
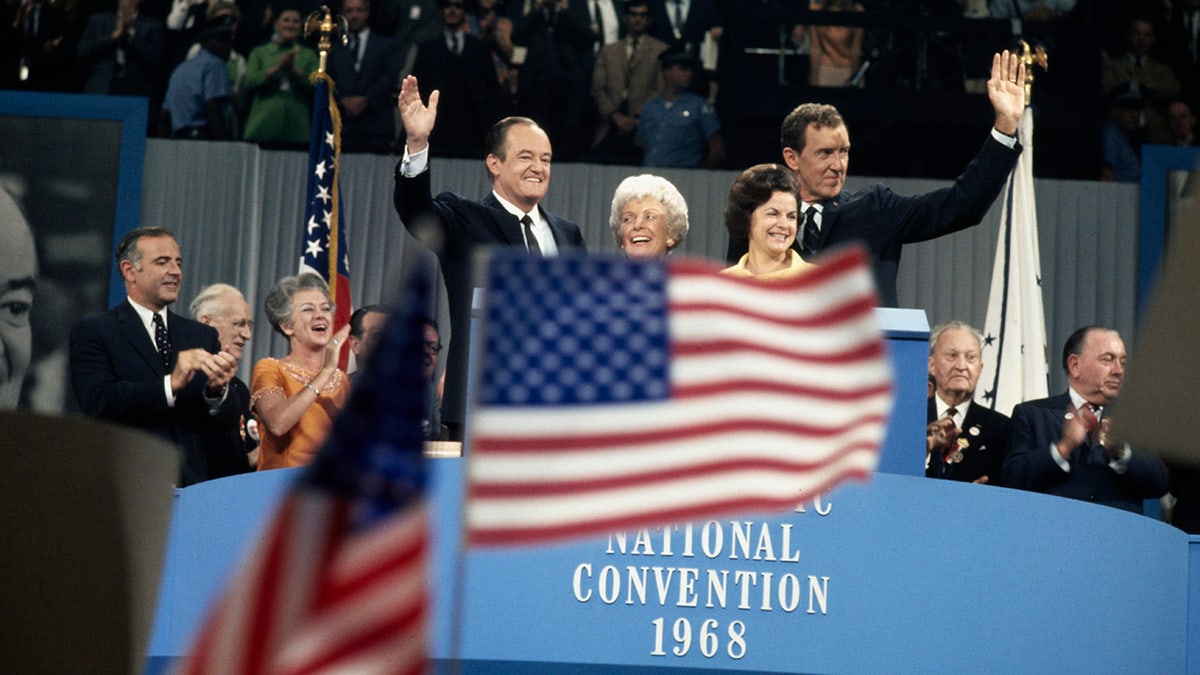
x=647, y=186
x=206, y=301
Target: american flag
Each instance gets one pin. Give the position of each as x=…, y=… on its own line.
x=325, y=250
x=337, y=582
x=619, y=394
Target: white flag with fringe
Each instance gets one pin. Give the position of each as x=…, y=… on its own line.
x=1014, y=350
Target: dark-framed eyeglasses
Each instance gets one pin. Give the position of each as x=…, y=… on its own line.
x=434, y=347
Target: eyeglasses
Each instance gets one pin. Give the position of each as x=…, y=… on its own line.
x=638, y=12
x=434, y=347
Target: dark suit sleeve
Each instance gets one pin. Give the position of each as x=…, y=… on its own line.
x=962, y=205
x=418, y=210
x=381, y=92
x=146, y=45
x=1029, y=465
x=96, y=42
x=1146, y=476
x=100, y=389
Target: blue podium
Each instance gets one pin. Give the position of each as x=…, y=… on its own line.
x=901, y=573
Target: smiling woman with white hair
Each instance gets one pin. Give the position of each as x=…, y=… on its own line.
x=649, y=216
x=295, y=398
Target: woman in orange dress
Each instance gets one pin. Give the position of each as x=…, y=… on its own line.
x=296, y=398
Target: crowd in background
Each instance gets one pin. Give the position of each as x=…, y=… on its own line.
x=656, y=82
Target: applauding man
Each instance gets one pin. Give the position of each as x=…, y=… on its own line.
x=140, y=365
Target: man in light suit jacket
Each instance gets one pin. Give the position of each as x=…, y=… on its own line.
x=518, y=160
x=627, y=74
x=140, y=365
x=365, y=71
x=816, y=147
x=1060, y=444
x=964, y=441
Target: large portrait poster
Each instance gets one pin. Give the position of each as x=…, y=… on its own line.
x=71, y=171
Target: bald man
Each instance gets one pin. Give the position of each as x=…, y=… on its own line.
x=18, y=272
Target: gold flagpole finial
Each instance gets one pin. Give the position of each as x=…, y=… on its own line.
x=330, y=27
x=1030, y=56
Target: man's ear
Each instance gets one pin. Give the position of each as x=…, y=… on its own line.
x=493, y=165
x=791, y=158
x=127, y=270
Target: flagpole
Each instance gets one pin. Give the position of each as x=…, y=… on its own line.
x=330, y=27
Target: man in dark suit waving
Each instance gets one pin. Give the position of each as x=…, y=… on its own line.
x=1060, y=444
x=518, y=161
x=140, y=365
x=964, y=441
x=816, y=147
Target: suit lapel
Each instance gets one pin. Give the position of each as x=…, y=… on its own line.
x=829, y=216
x=505, y=222
x=134, y=332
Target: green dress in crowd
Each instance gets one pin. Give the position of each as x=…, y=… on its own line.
x=280, y=106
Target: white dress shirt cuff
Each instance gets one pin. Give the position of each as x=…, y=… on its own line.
x=1008, y=141
x=1062, y=463
x=167, y=389
x=414, y=164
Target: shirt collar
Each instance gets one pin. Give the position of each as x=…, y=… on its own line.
x=146, y=314
x=1079, y=401
x=513, y=209
x=942, y=406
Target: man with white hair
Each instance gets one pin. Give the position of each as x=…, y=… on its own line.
x=230, y=447
x=964, y=441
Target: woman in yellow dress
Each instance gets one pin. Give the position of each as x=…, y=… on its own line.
x=762, y=208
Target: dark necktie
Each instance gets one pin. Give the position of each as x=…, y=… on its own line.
x=531, y=242
x=808, y=242
x=162, y=342
x=354, y=42
x=599, y=21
